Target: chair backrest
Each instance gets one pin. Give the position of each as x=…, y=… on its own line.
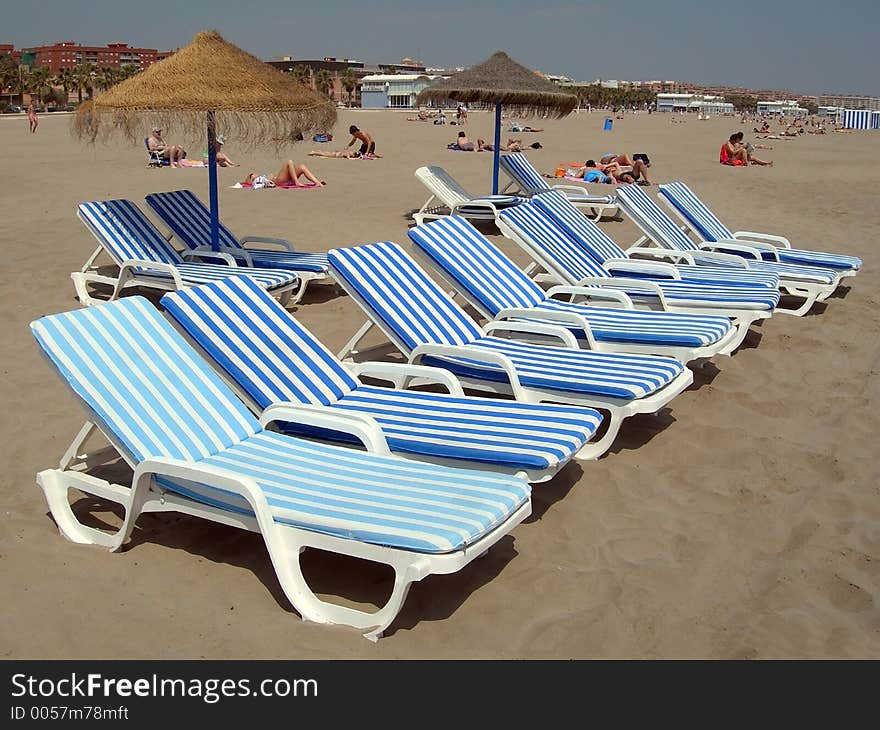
x=189, y=218
x=652, y=219
x=556, y=250
x=578, y=226
x=482, y=272
x=407, y=301
x=259, y=344
x=703, y=220
x=126, y=233
x=443, y=185
x=145, y=385
x=523, y=173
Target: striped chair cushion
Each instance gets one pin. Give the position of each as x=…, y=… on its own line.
x=642, y=208
x=274, y=359
x=156, y=398
x=401, y=294
x=349, y=494
x=524, y=174
x=710, y=228
x=585, y=372
x=573, y=262
x=143, y=381
x=476, y=265
x=127, y=233
x=585, y=232
x=490, y=278
x=190, y=220
x=271, y=356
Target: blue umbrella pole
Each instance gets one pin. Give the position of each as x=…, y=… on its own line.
x=497, y=151
x=212, y=183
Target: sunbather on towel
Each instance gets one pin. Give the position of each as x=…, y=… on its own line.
x=591, y=172
x=288, y=175
x=463, y=143
x=513, y=145
x=343, y=154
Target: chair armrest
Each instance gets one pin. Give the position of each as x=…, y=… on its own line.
x=644, y=286
x=728, y=259
x=134, y=265
x=363, y=427
x=569, y=319
x=750, y=251
x=593, y=292
x=477, y=354
x=677, y=257
x=265, y=239
x=205, y=254
x=399, y=371
x=572, y=188
x=780, y=240
x=657, y=268
x=236, y=253
x=548, y=330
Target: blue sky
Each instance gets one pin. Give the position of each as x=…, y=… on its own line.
x=810, y=46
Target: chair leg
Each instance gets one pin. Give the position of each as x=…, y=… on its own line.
x=594, y=449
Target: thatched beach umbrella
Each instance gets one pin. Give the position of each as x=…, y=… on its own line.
x=500, y=80
x=209, y=83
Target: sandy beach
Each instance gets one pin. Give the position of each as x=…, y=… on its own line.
x=743, y=522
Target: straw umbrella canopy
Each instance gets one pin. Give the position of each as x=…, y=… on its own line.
x=209, y=84
x=501, y=81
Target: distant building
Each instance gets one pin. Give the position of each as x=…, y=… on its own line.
x=392, y=91
x=850, y=101
x=787, y=106
x=700, y=103
x=67, y=54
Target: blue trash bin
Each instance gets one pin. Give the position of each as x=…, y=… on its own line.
x=608, y=123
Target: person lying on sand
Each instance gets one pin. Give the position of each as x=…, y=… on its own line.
x=288, y=175
x=344, y=154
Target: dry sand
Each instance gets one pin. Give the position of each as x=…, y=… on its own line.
x=743, y=522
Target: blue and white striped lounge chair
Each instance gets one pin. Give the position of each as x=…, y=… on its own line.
x=529, y=182
x=428, y=327
x=810, y=283
x=497, y=289
x=694, y=213
x=278, y=367
x=189, y=219
x=146, y=259
x=568, y=262
x=448, y=197
x=195, y=449
x=617, y=261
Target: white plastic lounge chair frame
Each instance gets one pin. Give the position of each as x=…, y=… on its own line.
x=448, y=197
x=812, y=284
x=249, y=502
x=188, y=220
x=260, y=350
x=528, y=182
x=700, y=221
x=644, y=293
x=618, y=408
x=161, y=271
x=501, y=272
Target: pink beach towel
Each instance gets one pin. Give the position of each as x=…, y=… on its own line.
x=288, y=186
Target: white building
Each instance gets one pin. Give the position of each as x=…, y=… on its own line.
x=392, y=91
x=700, y=103
x=788, y=106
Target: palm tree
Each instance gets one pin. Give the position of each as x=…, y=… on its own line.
x=8, y=75
x=349, y=83
x=126, y=72
x=38, y=82
x=324, y=81
x=82, y=80
x=105, y=78
x=302, y=74
x=64, y=79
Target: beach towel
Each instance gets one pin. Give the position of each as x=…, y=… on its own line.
x=193, y=163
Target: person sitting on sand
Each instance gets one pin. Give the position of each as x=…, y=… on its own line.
x=173, y=153
x=287, y=176
x=368, y=144
x=734, y=152
x=223, y=160
x=462, y=143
